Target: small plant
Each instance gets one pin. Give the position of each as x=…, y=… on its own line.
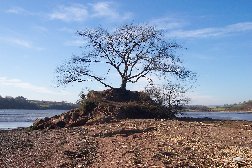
x=86, y=105
x=170, y=95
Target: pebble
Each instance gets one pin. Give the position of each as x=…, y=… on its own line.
x=238, y=159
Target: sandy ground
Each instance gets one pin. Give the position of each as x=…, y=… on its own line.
x=131, y=143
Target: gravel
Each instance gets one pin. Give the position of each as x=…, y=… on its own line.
x=131, y=143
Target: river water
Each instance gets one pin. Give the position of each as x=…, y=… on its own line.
x=13, y=118
x=219, y=115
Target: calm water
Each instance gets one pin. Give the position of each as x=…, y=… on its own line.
x=219, y=115
x=13, y=118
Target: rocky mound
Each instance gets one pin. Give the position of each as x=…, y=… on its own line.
x=105, y=106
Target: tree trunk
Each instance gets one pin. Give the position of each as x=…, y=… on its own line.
x=123, y=85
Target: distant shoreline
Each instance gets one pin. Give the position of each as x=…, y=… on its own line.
x=31, y=109
x=23, y=103
x=221, y=111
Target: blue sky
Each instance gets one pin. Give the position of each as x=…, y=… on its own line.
x=37, y=36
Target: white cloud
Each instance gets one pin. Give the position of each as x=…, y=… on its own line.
x=107, y=10
x=168, y=23
x=17, y=83
x=23, y=85
x=79, y=12
x=20, y=42
x=18, y=10
x=75, y=12
x=238, y=27
x=103, y=9
x=212, y=31
x=17, y=87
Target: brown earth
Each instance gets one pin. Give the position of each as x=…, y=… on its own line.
x=107, y=106
x=115, y=129
x=131, y=143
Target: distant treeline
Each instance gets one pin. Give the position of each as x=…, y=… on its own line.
x=242, y=106
x=22, y=103
x=196, y=108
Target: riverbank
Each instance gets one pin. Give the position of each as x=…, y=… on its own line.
x=131, y=143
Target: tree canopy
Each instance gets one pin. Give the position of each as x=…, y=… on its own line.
x=132, y=51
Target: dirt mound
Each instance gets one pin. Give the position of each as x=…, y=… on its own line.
x=118, y=95
x=71, y=118
x=106, y=106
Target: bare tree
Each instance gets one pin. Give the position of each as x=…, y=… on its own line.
x=133, y=51
x=170, y=95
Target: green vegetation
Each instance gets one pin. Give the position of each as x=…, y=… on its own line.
x=22, y=103
x=196, y=108
x=242, y=106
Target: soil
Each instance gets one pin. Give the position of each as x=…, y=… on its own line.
x=108, y=106
x=131, y=143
